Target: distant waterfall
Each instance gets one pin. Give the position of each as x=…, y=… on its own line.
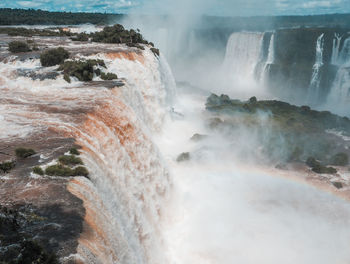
x=339, y=96
x=314, y=89
x=242, y=55
x=336, y=47
x=262, y=77
x=271, y=54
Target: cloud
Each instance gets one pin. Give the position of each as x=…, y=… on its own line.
x=213, y=7
x=316, y=4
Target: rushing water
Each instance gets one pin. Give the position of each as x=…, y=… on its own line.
x=144, y=207
x=115, y=127
x=314, y=89
x=339, y=96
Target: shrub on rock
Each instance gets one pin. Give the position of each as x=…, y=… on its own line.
x=53, y=57
x=58, y=170
x=82, y=70
x=74, y=151
x=70, y=160
x=24, y=152
x=18, y=46
x=108, y=76
x=6, y=166
x=38, y=170
x=324, y=170
x=80, y=171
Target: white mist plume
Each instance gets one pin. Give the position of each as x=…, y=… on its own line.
x=227, y=208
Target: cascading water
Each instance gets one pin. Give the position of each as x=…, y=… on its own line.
x=335, y=49
x=339, y=96
x=242, y=56
x=314, y=89
x=115, y=128
x=262, y=77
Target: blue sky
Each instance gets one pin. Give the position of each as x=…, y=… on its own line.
x=214, y=7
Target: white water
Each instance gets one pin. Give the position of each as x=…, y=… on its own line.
x=129, y=178
x=314, y=89
x=271, y=54
x=242, y=56
x=222, y=209
x=270, y=60
x=335, y=49
x=339, y=96
x=228, y=210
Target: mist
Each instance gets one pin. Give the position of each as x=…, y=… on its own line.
x=231, y=206
x=229, y=203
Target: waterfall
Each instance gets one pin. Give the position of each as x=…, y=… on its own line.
x=243, y=53
x=262, y=77
x=344, y=55
x=339, y=96
x=335, y=49
x=271, y=54
x=116, y=128
x=314, y=92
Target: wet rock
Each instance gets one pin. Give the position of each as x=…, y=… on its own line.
x=198, y=137
x=38, y=76
x=185, y=156
x=337, y=185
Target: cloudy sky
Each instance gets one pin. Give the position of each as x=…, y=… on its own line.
x=214, y=7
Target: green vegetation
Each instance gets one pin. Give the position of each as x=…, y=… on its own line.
x=27, y=32
x=58, y=170
x=53, y=57
x=63, y=171
x=80, y=171
x=84, y=70
x=38, y=170
x=135, y=45
x=108, y=76
x=40, y=17
x=66, y=166
x=340, y=159
x=24, y=152
x=70, y=160
x=318, y=167
x=18, y=46
x=118, y=34
x=287, y=132
x=6, y=166
x=80, y=37
x=74, y=151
